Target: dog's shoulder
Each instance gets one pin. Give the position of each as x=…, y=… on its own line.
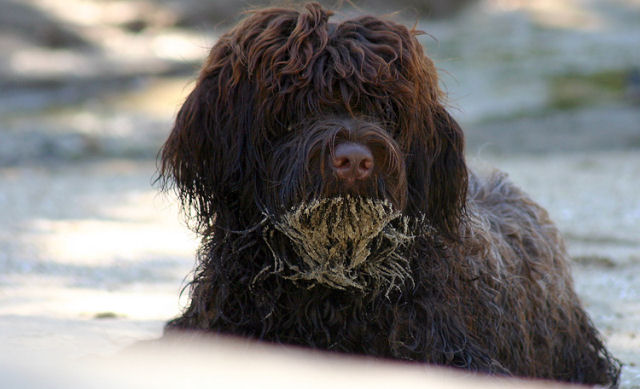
x=494, y=194
x=503, y=215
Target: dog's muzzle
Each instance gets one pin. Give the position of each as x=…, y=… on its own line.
x=343, y=243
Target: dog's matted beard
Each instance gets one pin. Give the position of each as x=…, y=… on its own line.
x=344, y=243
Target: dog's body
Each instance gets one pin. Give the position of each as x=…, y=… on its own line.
x=330, y=188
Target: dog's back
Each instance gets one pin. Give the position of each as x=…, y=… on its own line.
x=511, y=236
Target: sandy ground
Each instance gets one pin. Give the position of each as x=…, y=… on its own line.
x=84, y=242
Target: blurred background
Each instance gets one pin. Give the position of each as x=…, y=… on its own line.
x=93, y=258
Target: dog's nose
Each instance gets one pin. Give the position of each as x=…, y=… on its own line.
x=352, y=161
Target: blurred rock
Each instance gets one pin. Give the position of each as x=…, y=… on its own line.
x=36, y=26
x=81, y=136
x=558, y=132
x=198, y=13
x=633, y=86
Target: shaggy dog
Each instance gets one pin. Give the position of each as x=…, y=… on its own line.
x=329, y=185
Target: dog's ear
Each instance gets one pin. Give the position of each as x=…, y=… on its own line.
x=201, y=158
x=216, y=150
x=437, y=174
x=190, y=157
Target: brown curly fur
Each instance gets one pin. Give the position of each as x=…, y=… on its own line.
x=491, y=289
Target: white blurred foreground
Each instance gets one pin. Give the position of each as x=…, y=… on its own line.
x=216, y=362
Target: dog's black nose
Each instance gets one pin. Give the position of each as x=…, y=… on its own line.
x=352, y=161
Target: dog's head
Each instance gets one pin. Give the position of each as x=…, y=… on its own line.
x=291, y=108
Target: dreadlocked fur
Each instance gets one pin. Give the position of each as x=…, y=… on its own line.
x=422, y=261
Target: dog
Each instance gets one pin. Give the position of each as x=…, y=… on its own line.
x=328, y=182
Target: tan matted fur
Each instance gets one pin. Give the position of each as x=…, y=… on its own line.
x=346, y=242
